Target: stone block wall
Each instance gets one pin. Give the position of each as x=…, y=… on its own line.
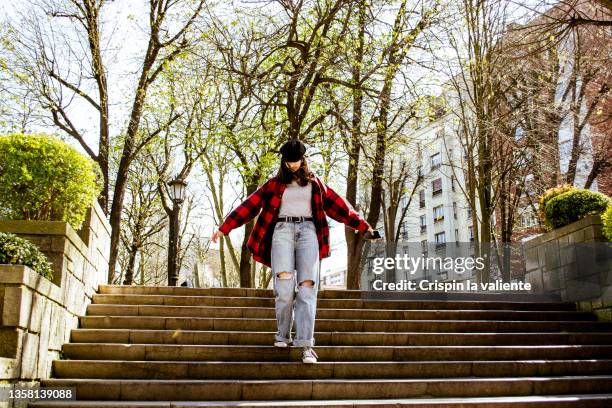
x=574, y=261
x=38, y=314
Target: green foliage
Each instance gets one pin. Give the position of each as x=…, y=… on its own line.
x=19, y=251
x=573, y=205
x=547, y=196
x=606, y=219
x=43, y=178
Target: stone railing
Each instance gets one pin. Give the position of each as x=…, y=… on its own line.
x=38, y=314
x=574, y=261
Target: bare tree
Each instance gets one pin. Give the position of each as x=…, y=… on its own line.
x=53, y=65
x=142, y=219
x=163, y=47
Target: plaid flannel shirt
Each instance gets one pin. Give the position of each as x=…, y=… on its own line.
x=265, y=203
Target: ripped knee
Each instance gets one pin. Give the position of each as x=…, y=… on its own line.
x=308, y=282
x=284, y=275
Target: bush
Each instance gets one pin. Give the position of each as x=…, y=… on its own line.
x=43, y=178
x=547, y=196
x=573, y=205
x=606, y=219
x=19, y=251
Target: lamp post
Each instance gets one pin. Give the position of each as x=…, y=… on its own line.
x=177, y=194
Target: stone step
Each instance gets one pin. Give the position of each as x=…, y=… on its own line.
x=176, y=352
x=345, y=325
x=323, y=313
x=220, y=390
x=521, y=296
x=336, y=338
x=538, y=401
x=168, y=370
x=186, y=300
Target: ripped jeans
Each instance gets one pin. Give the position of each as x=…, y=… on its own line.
x=295, y=249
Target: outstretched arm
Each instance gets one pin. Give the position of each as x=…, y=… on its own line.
x=246, y=211
x=342, y=211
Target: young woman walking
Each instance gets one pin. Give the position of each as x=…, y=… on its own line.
x=291, y=236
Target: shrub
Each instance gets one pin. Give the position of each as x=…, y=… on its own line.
x=19, y=251
x=606, y=219
x=547, y=196
x=573, y=205
x=43, y=178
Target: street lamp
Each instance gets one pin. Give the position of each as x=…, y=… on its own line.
x=177, y=194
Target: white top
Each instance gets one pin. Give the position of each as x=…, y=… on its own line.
x=295, y=201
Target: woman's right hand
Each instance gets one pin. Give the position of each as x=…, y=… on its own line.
x=216, y=236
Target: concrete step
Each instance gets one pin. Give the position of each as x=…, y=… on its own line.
x=537, y=401
x=231, y=390
x=168, y=370
x=336, y=338
x=520, y=296
x=175, y=352
x=243, y=301
x=173, y=346
x=323, y=313
x=345, y=325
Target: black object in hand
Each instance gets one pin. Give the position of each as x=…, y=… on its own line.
x=372, y=235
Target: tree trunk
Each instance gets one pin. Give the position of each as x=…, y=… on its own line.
x=129, y=273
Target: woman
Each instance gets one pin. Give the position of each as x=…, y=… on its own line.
x=291, y=236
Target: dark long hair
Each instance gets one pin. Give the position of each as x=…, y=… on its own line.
x=302, y=175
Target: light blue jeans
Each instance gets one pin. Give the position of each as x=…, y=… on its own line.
x=295, y=249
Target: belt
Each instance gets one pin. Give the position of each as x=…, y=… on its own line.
x=294, y=219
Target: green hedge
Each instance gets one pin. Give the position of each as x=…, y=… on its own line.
x=606, y=219
x=43, y=178
x=19, y=251
x=573, y=205
x=547, y=196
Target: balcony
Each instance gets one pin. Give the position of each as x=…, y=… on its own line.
x=436, y=192
x=439, y=218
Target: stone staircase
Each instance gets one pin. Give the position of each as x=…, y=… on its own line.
x=163, y=347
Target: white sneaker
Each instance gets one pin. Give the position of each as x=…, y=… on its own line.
x=309, y=356
x=281, y=344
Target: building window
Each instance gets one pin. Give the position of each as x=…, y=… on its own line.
x=404, y=231
x=469, y=212
x=440, y=239
x=436, y=160
x=420, y=171
x=436, y=186
x=423, y=219
x=422, y=199
x=471, y=232
x=529, y=189
x=453, y=183
x=438, y=213
x=424, y=246
x=457, y=237
x=518, y=134
x=528, y=219
x=454, y=210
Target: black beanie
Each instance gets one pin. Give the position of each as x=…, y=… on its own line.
x=293, y=150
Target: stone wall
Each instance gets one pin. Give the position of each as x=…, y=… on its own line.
x=574, y=261
x=38, y=314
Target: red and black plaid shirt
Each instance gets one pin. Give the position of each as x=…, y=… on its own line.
x=267, y=199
